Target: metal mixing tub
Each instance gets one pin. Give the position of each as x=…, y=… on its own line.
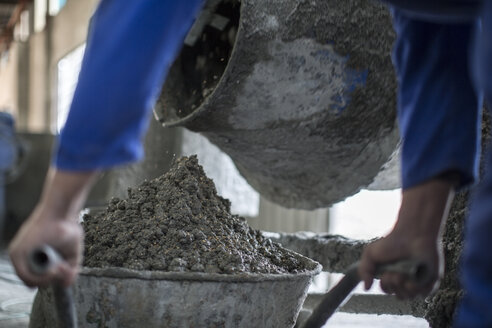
x=115, y=297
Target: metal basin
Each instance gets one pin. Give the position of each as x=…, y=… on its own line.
x=122, y=298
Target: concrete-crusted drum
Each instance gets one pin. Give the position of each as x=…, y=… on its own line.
x=300, y=94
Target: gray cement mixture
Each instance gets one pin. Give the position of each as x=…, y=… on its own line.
x=177, y=222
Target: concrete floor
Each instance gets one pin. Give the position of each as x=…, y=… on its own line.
x=15, y=298
x=349, y=320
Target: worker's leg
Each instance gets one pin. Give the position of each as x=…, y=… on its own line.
x=476, y=307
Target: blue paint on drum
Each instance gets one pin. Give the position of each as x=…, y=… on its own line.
x=352, y=78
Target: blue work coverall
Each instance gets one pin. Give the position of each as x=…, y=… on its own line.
x=442, y=69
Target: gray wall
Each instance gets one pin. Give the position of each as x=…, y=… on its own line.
x=28, y=78
x=23, y=193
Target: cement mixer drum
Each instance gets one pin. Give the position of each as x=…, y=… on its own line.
x=300, y=94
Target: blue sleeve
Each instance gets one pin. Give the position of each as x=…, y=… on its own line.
x=439, y=111
x=131, y=45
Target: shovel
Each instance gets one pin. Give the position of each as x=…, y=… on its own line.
x=40, y=261
x=416, y=271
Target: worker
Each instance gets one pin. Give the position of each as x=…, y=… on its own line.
x=132, y=44
x=444, y=68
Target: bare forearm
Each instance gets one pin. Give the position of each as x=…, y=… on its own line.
x=424, y=208
x=65, y=192
x=54, y=223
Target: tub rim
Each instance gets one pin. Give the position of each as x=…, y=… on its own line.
x=313, y=268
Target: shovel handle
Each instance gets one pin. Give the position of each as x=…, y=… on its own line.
x=416, y=271
x=40, y=261
x=43, y=258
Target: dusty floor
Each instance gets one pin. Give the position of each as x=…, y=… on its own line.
x=348, y=320
x=15, y=298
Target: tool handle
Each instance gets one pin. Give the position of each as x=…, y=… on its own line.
x=40, y=261
x=65, y=306
x=332, y=300
x=415, y=270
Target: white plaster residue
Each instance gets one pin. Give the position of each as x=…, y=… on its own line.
x=299, y=79
x=268, y=23
x=271, y=23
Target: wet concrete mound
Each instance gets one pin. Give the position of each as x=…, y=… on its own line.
x=179, y=223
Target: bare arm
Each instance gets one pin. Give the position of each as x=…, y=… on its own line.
x=105, y=124
x=54, y=222
x=416, y=235
x=439, y=123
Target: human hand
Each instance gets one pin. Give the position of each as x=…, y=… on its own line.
x=54, y=223
x=416, y=236
x=63, y=235
x=393, y=248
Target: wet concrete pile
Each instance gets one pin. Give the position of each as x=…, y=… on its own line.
x=178, y=223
